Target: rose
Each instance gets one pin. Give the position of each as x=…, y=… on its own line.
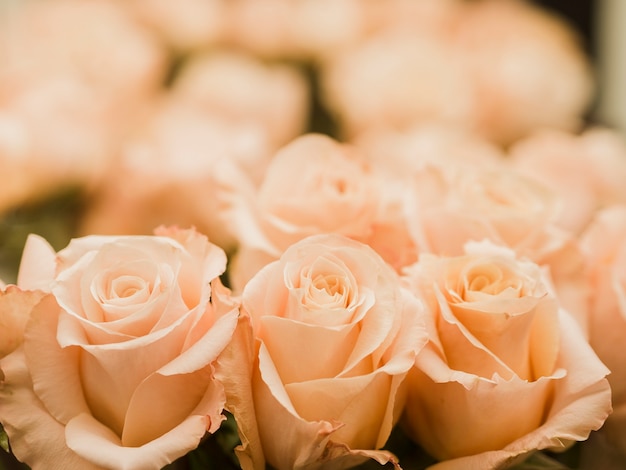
x=120, y=362
x=506, y=371
x=312, y=185
x=170, y=154
x=65, y=109
x=396, y=157
x=447, y=206
x=335, y=337
x=586, y=171
x=280, y=111
x=604, y=245
x=526, y=66
x=430, y=83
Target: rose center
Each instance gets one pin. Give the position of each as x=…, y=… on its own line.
x=329, y=290
x=490, y=280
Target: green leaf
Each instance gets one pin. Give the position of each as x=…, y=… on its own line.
x=4, y=439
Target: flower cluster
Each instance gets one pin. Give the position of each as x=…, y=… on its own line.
x=384, y=237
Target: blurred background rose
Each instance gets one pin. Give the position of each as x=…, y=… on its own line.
x=83, y=84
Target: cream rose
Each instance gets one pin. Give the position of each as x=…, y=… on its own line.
x=507, y=371
x=336, y=336
x=119, y=366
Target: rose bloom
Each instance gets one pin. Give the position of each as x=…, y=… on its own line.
x=506, y=371
x=447, y=206
x=527, y=68
x=501, y=68
x=180, y=167
x=397, y=78
x=94, y=41
x=586, y=171
x=335, y=336
x=228, y=84
x=604, y=245
x=120, y=362
x=312, y=185
x=396, y=156
x=75, y=74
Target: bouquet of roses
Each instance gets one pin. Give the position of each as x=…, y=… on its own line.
x=384, y=241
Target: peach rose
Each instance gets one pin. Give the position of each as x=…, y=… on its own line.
x=604, y=245
x=95, y=42
x=120, y=362
x=585, y=170
x=396, y=157
x=335, y=337
x=502, y=68
x=312, y=185
x=527, y=67
x=449, y=206
x=179, y=156
x=75, y=74
x=399, y=79
x=507, y=371
x=281, y=109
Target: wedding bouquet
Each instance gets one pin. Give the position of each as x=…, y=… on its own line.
x=307, y=234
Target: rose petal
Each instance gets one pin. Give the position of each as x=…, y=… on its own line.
x=234, y=371
x=15, y=309
x=36, y=437
x=294, y=361
x=38, y=265
x=97, y=443
x=54, y=369
x=177, y=387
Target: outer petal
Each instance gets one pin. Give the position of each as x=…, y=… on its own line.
x=15, y=309
x=176, y=388
x=54, y=370
x=234, y=371
x=91, y=439
x=38, y=264
x=582, y=402
x=36, y=437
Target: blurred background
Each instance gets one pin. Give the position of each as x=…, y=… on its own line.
x=107, y=108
